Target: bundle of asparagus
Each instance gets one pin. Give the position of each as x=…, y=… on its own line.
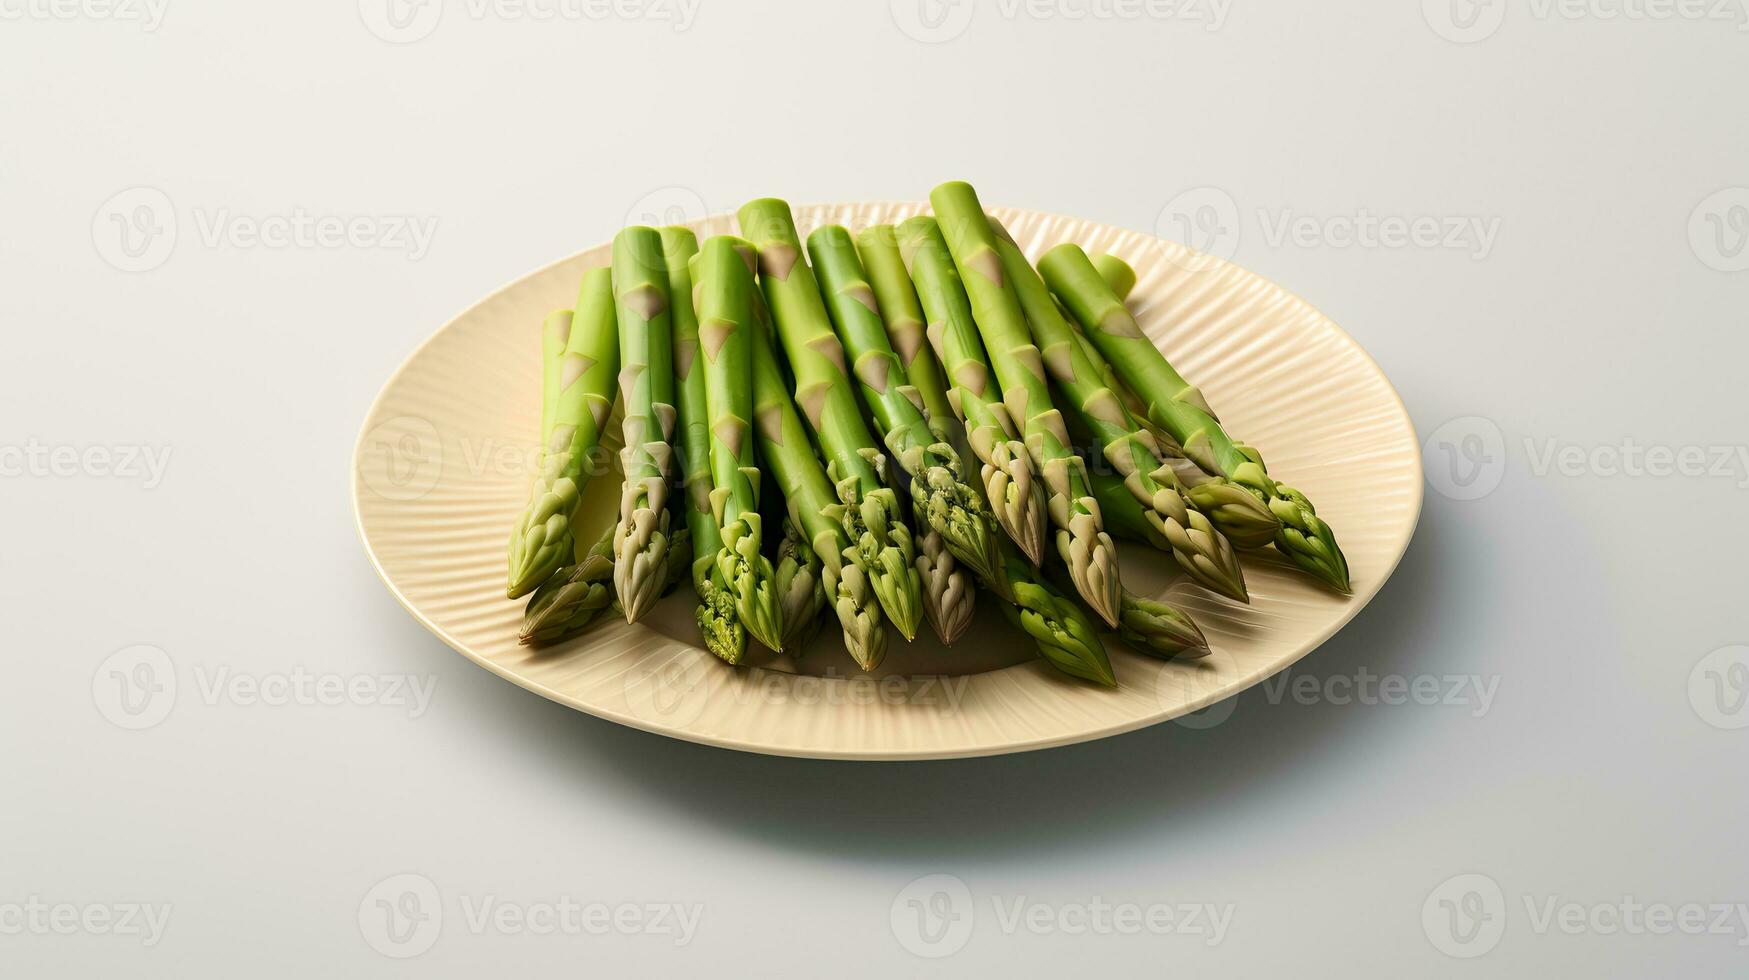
x=867, y=369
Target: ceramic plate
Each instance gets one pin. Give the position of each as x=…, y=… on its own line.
x=443, y=465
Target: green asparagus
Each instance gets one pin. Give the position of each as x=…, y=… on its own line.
x=846, y=570
x=1239, y=514
x=543, y=539
x=1014, y=494
x=1181, y=410
x=1081, y=539
x=573, y=599
x=800, y=587
x=725, y=329
x=868, y=508
x=1200, y=550
x=718, y=622
x=646, y=382
x=946, y=506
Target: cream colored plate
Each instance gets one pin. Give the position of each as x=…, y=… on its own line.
x=443, y=466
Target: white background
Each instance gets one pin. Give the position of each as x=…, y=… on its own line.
x=1606, y=766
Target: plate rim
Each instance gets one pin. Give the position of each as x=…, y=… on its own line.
x=1233, y=688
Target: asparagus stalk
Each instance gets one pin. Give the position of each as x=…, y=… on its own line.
x=948, y=595
x=718, y=622
x=847, y=572
x=945, y=505
x=543, y=539
x=555, y=335
x=1200, y=550
x=1081, y=539
x=725, y=329
x=868, y=509
x=1014, y=494
x=1180, y=409
x=1239, y=515
x=646, y=382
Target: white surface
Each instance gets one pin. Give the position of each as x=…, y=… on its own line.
x=1589, y=596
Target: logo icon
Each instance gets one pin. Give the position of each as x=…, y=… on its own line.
x=1465, y=916
x=401, y=916
x=135, y=230
x=1204, y=218
x=1464, y=21
x=135, y=687
x=1181, y=683
x=401, y=21
x=1718, y=688
x=932, y=917
x=1718, y=230
x=1465, y=458
x=672, y=692
x=672, y=205
x=402, y=458
x=932, y=21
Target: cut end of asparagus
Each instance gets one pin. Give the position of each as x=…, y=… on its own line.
x=1159, y=629
x=1091, y=558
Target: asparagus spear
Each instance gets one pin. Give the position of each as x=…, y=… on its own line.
x=718, y=622
x=555, y=335
x=1239, y=515
x=1159, y=629
x=542, y=540
x=944, y=504
x=1063, y=634
x=847, y=572
x=1200, y=550
x=800, y=588
x=725, y=327
x=646, y=382
x=1081, y=539
x=948, y=595
x=1014, y=494
x=868, y=509
x=1181, y=410
x=573, y=599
